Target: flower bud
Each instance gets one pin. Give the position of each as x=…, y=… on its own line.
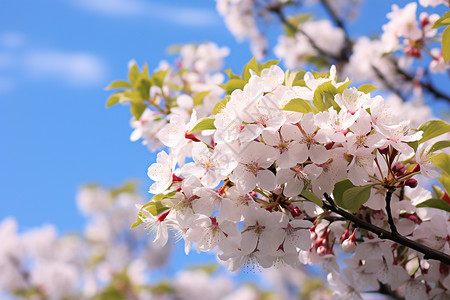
x=399, y=169
x=424, y=20
x=277, y=191
x=349, y=246
x=321, y=250
x=384, y=150
x=411, y=182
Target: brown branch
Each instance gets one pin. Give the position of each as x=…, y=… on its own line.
x=345, y=57
x=389, y=213
x=425, y=85
x=428, y=252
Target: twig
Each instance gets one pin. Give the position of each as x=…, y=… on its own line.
x=426, y=85
x=389, y=213
x=345, y=57
x=428, y=252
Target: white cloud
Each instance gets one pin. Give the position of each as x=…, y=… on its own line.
x=21, y=61
x=72, y=68
x=12, y=40
x=186, y=16
x=113, y=7
x=162, y=11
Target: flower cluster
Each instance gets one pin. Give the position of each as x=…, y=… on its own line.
x=253, y=181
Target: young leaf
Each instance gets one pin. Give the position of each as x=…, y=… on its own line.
x=339, y=189
x=119, y=84
x=367, y=88
x=233, y=84
x=204, y=124
x=446, y=44
x=439, y=145
x=298, y=105
x=232, y=75
x=435, y=203
x=143, y=87
x=438, y=192
x=198, y=99
x=251, y=65
x=158, y=78
x=324, y=96
x=445, y=181
x=442, y=21
x=433, y=129
x=137, y=109
x=113, y=99
x=442, y=161
x=138, y=221
x=342, y=88
x=291, y=77
x=312, y=197
x=219, y=106
x=268, y=64
x=354, y=197
x=133, y=74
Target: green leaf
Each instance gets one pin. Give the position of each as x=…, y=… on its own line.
x=158, y=78
x=439, y=145
x=342, y=88
x=119, y=84
x=435, y=203
x=251, y=65
x=318, y=75
x=354, y=197
x=295, y=21
x=438, y=192
x=413, y=145
x=129, y=187
x=324, y=96
x=145, y=71
x=442, y=161
x=133, y=74
x=295, y=76
x=155, y=207
x=446, y=44
x=433, y=129
x=233, y=84
x=198, y=99
x=298, y=105
x=203, y=124
x=143, y=87
x=112, y=100
x=339, y=189
x=232, y=75
x=137, y=223
x=137, y=109
x=312, y=197
x=219, y=106
x=442, y=21
x=445, y=181
x=268, y=64
x=367, y=88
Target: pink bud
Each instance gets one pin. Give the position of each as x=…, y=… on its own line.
x=411, y=182
x=321, y=250
x=349, y=246
x=424, y=20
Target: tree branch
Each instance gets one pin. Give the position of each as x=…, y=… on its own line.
x=428, y=252
x=344, y=56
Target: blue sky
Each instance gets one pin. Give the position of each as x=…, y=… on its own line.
x=56, y=57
